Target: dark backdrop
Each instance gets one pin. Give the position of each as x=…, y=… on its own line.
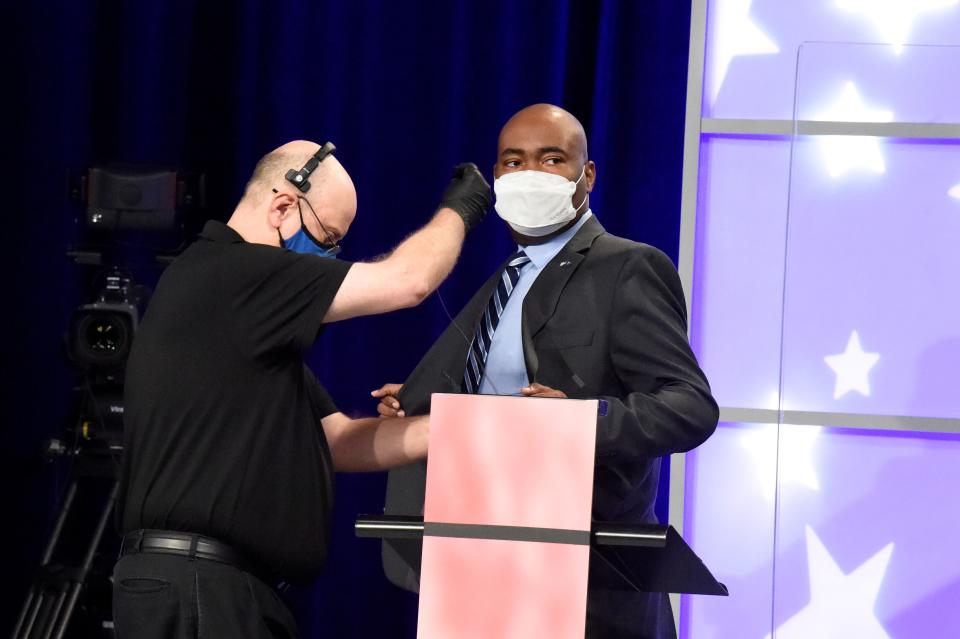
x=405, y=90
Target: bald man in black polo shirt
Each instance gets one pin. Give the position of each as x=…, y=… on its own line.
x=230, y=441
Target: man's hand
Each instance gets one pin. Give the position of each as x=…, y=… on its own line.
x=539, y=390
x=389, y=405
x=468, y=194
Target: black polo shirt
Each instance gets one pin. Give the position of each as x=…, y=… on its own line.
x=222, y=417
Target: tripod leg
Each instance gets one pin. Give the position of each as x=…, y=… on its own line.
x=48, y=618
x=35, y=598
x=28, y=616
x=61, y=518
x=62, y=620
x=28, y=613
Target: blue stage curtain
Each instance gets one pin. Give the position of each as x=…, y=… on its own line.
x=405, y=89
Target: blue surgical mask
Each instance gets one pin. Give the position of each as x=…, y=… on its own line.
x=303, y=242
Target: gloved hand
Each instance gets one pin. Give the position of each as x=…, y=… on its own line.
x=468, y=194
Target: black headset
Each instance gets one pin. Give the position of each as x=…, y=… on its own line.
x=300, y=179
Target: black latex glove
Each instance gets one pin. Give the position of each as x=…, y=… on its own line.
x=468, y=194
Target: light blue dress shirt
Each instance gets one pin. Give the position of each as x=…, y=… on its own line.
x=506, y=371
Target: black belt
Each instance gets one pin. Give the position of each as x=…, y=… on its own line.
x=169, y=542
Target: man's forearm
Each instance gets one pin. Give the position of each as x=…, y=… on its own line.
x=417, y=266
x=428, y=256
x=425, y=258
x=373, y=444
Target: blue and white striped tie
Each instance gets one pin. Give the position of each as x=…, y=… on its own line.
x=476, y=360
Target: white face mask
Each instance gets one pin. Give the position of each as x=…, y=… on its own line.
x=536, y=203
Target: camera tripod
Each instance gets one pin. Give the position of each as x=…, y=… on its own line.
x=76, y=552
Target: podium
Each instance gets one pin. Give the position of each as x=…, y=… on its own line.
x=506, y=546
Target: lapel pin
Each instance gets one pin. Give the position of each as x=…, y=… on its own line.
x=566, y=263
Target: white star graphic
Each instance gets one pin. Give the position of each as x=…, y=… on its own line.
x=841, y=606
x=954, y=192
x=852, y=368
x=842, y=153
x=734, y=34
x=795, y=464
x=893, y=19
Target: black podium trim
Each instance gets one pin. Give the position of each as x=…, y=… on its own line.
x=507, y=533
x=644, y=558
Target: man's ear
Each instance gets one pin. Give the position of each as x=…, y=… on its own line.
x=281, y=206
x=589, y=174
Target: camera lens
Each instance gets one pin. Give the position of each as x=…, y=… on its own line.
x=105, y=335
x=101, y=337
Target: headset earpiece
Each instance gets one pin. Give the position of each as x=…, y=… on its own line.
x=301, y=178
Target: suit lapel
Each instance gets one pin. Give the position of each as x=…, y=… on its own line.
x=541, y=301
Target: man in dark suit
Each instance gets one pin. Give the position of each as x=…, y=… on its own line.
x=578, y=313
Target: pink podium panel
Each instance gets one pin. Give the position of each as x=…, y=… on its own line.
x=507, y=518
x=494, y=589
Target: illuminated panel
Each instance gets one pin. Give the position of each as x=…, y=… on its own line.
x=866, y=532
x=729, y=523
x=877, y=83
x=871, y=324
x=738, y=290
x=820, y=531
x=751, y=50
x=871, y=553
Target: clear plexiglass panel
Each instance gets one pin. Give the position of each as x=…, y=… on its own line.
x=751, y=48
x=871, y=320
x=866, y=526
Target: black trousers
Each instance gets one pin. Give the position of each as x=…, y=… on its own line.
x=159, y=596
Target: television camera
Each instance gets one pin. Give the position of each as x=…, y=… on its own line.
x=129, y=221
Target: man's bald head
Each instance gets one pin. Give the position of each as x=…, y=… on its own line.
x=270, y=171
x=332, y=195
x=546, y=121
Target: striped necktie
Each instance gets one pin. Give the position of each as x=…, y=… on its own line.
x=476, y=360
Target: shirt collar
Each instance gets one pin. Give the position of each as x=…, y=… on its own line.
x=541, y=254
x=219, y=232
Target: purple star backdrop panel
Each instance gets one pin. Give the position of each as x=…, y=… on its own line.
x=877, y=82
x=865, y=532
x=738, y=278
x=871, y=315
x=751, y=46
x=824, y=313
x=870, y=323
x=729, y=522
